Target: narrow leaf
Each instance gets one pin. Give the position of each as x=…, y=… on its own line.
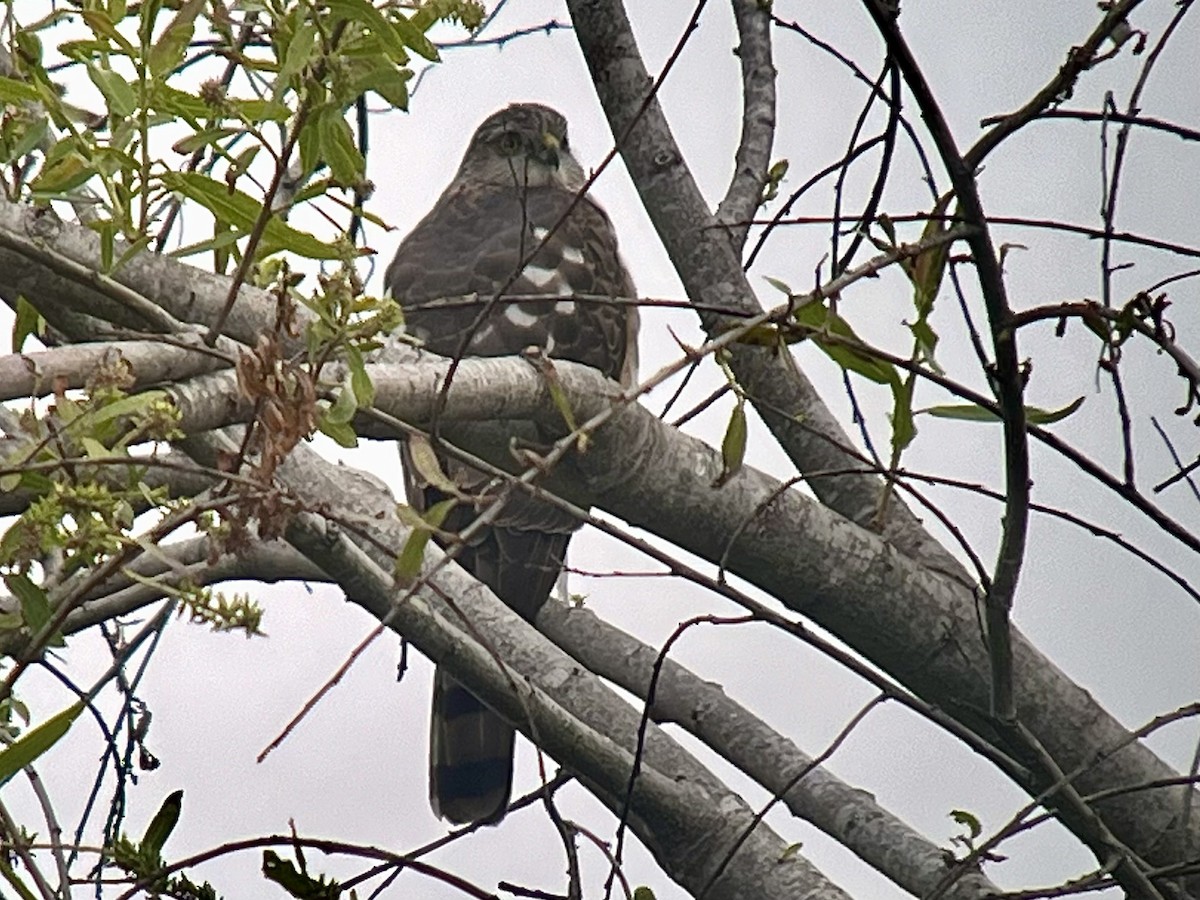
x=23, y=751
x=970, y=412
x=27, y=323
x=903, y=427
x=733, y=447
x=343, y=408
x=65, y=174
x=969, y=820
x=116, y=90
x=14, y=91
x=360, y=381
x=427, y=465
x=15, y=880
x=297, y=882
x=392, y=39
x=408, y=563
x=1037, y=416
x=167, y=51
x=779, y=285
x=162, y=825
x=337, y=147
x=35, y=606
x=816, y=315
x=242, y=211
x=343, y=434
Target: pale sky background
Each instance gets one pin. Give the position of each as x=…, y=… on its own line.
x=355, y=769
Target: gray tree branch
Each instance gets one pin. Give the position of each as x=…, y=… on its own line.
x=711, y=272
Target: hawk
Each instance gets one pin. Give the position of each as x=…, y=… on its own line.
x=512, y=220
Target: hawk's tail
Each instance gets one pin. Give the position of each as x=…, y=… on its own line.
x=470, y=756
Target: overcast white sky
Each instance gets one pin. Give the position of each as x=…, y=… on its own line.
x=355, y=769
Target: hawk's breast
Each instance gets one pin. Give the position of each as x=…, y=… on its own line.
x=474, y=243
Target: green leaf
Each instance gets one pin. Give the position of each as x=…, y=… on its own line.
x=222, y=239
x=342, y=411
x=966, y=412
x=162, y=825
x=817, y=316
x=168, y=49
x=28, y=322
x=904, y=429
x=202, y=139
x=733, y=447
x=408, y=563
x=337, y=148
x=414, y=37
x=93, y=448
x=394, y=32
x=360, y=381
x=790, y=850
x=426, y=463
x=17, y=884
x=297, y=55
x=1036, y=416
x=643, y=893
x=64, y=174
x=190, y=108
x=885, y=222
x=125, y=407
x=23, y=751
x=241, y=211
x=367, y=15
x=968, y=820
x=779, y=285
x=927, y=340
x=105, y=29
x=388, y=81
x=927, y=267
x=297, y=883
x=970, y=412
x=29, y=138
x=14, y=91
x=146, y=18
x=343, y=434
x=116, y=90
x=34, y=605
x=563, y=405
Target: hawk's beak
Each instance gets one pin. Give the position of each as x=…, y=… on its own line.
x=548, y=153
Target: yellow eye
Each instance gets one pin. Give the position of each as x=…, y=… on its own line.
x=509, y=143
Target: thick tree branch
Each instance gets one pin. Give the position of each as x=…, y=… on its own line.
x=712, y=275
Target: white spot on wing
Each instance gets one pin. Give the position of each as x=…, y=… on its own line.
x=573, y=255
x=519, y=317
x=483, y=335
x=565, y=307
x=541, y=276
x=539, y=233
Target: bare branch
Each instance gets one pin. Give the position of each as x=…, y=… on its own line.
x=753, y=156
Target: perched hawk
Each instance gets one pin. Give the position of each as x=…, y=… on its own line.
x=514, y=199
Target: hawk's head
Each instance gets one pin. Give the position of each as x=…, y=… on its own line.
x=523, y=145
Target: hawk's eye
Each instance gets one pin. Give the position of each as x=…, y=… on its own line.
x=509, y=143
